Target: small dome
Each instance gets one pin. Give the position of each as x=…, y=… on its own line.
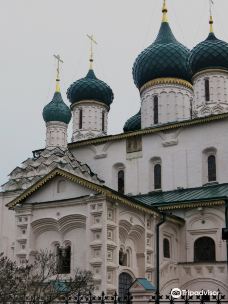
x=57, y=110
x=133, y=123
x=210, y=53
x=166, y=57
x=90, y=88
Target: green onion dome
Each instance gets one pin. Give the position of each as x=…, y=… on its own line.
x=164, y=58
x=90, y=88
x=211, y=53
x=57, y=110
x=133, y=123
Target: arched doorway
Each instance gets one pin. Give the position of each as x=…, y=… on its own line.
x=125, y=281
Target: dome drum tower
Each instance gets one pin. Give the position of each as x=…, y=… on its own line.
x=208, y=63
x=90, y=119
x=56, y=134
x=57, y=116
x=162, y=76
x=91, y=99
x=210, y=92
x=166, y=100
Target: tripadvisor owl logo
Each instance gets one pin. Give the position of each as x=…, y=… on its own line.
x=176, y=293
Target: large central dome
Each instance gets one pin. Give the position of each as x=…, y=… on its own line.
x=165, y=57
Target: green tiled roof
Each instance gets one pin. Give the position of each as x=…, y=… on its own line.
x=205, y=193
x=165, y=57
x=210, y=53
x=133, y=123
x=145, y=284
x=90, y=88
x=57, y=110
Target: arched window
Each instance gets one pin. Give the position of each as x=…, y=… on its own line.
x=128, y=257
x=204, y=250
x=121, y=181
x=80, y=118
x=155, y=109
x=125, y=281
x=63, y=259
x=122, y=257
x=103, y=120
x=207, y=89
x=211, y=162
x=166, y=248
x=157, y=176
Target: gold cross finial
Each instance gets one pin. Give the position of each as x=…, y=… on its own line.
x=59, y=60
x=92, y=41
x=164, y=11
x=211, y=2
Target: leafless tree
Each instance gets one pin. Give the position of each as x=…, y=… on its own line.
x=39, y=280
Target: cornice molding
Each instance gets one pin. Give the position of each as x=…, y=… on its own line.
x=209, y=71
x=147, y=131
x=192, y=205
x=167, y=81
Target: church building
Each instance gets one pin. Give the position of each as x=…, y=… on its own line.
x=98, y=199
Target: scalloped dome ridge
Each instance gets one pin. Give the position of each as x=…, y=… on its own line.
x=90, y=88
x=165, y=57
x=210, y=53
x=57, y=110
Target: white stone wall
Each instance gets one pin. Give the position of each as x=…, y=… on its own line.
x=56, y=134
x=181, y=151
x=91, y=120
x=7, y=224
x=174, y=104
x=218, y=87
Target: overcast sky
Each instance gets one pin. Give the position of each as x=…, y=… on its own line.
x=31, y=31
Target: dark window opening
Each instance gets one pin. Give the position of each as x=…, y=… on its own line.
x=166, y=249
x=207, y=90
x=121, y=181
x=156, y=109
x=80, y=119
x=63, y=259
x=157, y=176
x=211, y=168
x=103, y=120
x=122, y=258
x=204, y=250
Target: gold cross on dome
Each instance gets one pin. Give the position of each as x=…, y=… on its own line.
x=92, y=42
x=59, y=60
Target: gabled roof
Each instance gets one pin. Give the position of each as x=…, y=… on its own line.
x=147, y=286
x=109, y=193
x=208, y=195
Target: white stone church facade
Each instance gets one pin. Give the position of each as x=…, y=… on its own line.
x=97, y=200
